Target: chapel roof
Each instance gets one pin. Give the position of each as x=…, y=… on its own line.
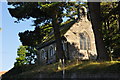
x=63, y=29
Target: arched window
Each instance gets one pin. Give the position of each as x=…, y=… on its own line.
x=43, y=54
x=51, y=51
x=84, y=41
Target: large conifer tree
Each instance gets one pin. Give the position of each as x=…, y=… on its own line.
x=95, y=15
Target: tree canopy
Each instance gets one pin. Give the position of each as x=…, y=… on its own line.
x=111, y=27
x=33, y=38
x=26, y=55
x=43, y=16
x=21, y=60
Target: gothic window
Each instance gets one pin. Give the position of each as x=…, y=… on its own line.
x=84, y=41
x=51, y=51
x=43, y=54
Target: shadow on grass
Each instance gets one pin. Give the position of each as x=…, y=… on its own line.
x=114, y=68
x=71, y=69
x=95, y=68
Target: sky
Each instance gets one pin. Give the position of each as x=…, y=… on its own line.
x=9, y=39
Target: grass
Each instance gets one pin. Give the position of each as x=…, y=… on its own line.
x=85, y=67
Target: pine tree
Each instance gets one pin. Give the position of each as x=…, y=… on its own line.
x=21, y=59
x=95, y=16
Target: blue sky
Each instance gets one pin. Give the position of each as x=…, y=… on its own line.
x=9, y=39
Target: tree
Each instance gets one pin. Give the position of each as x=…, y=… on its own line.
x=26, y=55
x=42, y=13
x=33, y=38
x=21, y=59
x=43, y=16
x=31, y=55
x=94, y=8
x=110, y=28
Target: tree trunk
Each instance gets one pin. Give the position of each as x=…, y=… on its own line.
x=94, y=8
x=57, y=35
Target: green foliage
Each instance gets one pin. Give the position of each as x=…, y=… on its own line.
x=110, y=28
x=26, y=55
x=31, y=55
x=42, y=11
x=21, y=60
x=32, y=38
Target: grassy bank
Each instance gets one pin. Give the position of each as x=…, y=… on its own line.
x=55, y=70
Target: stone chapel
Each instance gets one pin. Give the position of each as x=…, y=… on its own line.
x=77, y=38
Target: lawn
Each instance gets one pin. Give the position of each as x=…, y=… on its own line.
x=71, y=68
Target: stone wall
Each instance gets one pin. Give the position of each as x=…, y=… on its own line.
x=48, y=59
x=73, y=37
